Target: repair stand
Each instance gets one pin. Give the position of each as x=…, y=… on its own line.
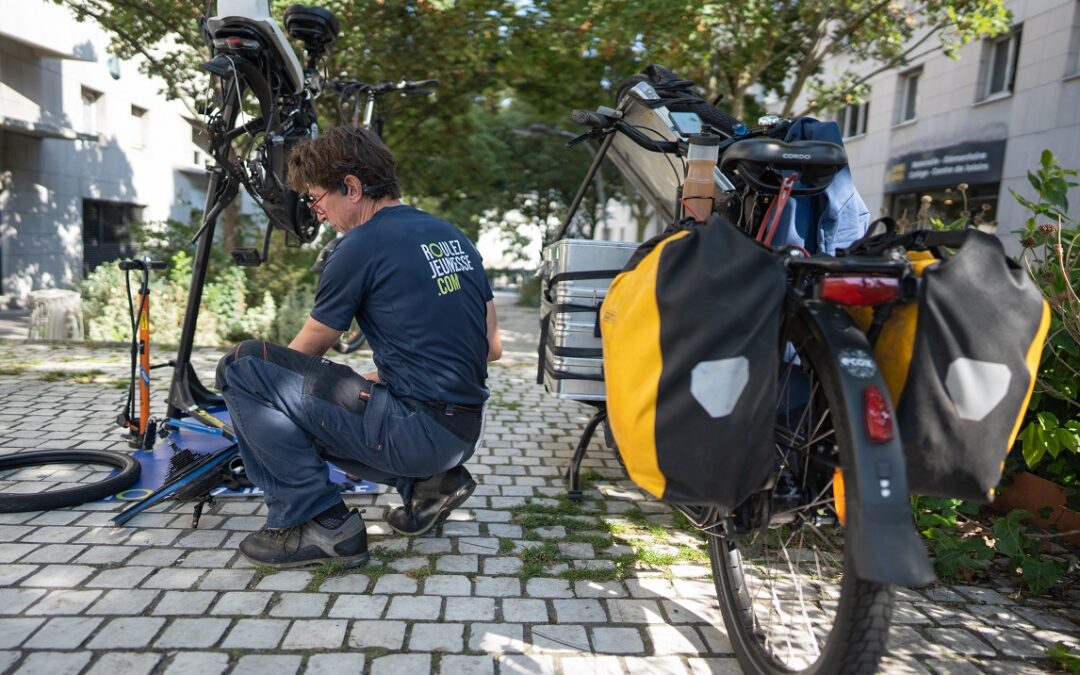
x=573, y=473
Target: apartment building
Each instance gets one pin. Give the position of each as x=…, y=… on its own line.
x=981, y=120
x=88, y=145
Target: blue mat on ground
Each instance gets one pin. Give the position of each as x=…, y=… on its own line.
x=155, y=465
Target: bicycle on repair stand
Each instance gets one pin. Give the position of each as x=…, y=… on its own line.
x=352, y=96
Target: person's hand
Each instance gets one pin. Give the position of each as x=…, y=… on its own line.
x=373, y=376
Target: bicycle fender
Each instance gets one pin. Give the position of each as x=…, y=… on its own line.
x=887, y=548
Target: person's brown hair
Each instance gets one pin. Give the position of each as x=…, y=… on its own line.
x=343, y=151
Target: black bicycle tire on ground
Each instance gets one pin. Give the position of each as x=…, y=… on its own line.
x=860, y=630
x=129, y=467
x=348, y=346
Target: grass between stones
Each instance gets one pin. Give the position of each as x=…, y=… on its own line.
x=334, y=568
x=651, y=545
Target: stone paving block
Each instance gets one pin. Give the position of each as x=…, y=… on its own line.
x=688, y=610
x=478, y=545
x=202, y=539
x=1046, y=621
x=385, y=634
x=59, y=576
x=300, y=605
x=358, y=606
x=727, y=666
x=54, y=518
x=242, y=603
x=414, y=607
x=599, y=589
x=316, y=634
x=944, y=667
x=525, y=610
x=128, y=663
x=1010, y=641
x=152, y=536
x=654, y=665
x=192, y=633
x=428, y=545
x=100, y=554
x=617, y=640
x=674, y=639
x=126, y=633
x=54, y=553
x=958, y=641
x=120, y=577
x=465, y=564
x=498, y=587
x=9, y=574
x=208, y=558
x=14, y=631
x=540, y=587
x=902, y=666
x=284, y=581
x=590, y=665
x=496, y=638
x=539, y=664
x=255, y=634
x=467, y=665
x=989, y=596
x=348, y=583
x=395, y=583
x=444, y=584
x=50, y=663
x=579, y=611
x=11, y=552
x=184, y=602
x=120, y=602
x=559, y=639
x=437, y=637
x=7, y=658
x=63, y=633
x=396, y=664
x=64, y=602
x=1052, y=637
x=53, y=535
x=155, y=557
x=469, y=609
x=226, y=580
x=453, y=528
x=334, y=664
x=265, y=664
x=634, y=611
x=173, y=578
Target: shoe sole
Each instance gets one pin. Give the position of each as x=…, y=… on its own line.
x=456, y=499
x=350, y=562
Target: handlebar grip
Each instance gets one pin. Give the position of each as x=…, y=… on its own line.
x=422, y=84
x=127, y=265
x=589, y=118
x=726, y=123
x=157, y=264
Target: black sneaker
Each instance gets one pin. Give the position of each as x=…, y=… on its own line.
x=309, y=544
x=432, y=501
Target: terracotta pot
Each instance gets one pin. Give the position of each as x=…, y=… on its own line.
x=1033, y=493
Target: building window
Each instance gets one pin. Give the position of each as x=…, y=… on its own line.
x=1000, y=57
x=852, y=119
x=200, y=143
x=138, y=126
x=1072, y=68
x=908, y=95
x=91, y=110
x=107, y=231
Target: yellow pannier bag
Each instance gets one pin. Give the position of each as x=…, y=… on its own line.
x=690, y=332
x=960, y=362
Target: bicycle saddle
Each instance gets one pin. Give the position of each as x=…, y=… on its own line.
x=316, y=27
x=762, y=163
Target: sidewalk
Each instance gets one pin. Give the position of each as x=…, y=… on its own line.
x=503, y=588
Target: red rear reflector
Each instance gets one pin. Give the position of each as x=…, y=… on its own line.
x=877, y=415
x=859, y=291
x=236, y=43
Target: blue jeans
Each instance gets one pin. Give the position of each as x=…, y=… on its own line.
x=292, y=411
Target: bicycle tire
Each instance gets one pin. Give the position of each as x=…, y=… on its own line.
x=129, y=471
x=856, y=639
x=348, y=345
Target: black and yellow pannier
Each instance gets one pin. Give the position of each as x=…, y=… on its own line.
x=960, y=363
x=690, y=333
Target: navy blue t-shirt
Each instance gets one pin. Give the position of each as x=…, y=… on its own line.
x=416, y=286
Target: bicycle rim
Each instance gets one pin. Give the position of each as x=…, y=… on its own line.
x=787, y=601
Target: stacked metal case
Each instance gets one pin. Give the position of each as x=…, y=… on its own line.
x=575, y=277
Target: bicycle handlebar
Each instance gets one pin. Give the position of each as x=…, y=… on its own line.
x=601, y=124
x=592, y=119
x=382, y=88
x=141, y=264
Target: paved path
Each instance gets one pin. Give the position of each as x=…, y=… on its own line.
x=516, y=582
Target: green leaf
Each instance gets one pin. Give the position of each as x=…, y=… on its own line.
x=1009, y=535
x=1033, y=450
x=1040, y=574
x=1069, y=440
x=1035, y=182
x=1064, y=656
x=1047, y=420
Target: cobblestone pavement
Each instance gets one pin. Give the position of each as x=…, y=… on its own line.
x=504, y=587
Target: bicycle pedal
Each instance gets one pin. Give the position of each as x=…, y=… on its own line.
x=246, y=257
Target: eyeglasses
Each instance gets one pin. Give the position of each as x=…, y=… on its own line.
x=313, y=202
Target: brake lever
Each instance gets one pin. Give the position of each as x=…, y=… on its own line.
x=591, y=134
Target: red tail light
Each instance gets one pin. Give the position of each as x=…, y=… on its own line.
x=234, y=42
x=859, y=291
x=877, y=415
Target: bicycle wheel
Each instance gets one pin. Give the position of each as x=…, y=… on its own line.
x=61, y=478
x=351, y=341
x=787, y=598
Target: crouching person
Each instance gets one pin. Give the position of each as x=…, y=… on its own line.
x=416, y=286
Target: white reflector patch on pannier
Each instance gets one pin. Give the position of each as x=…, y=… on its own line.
x=717, y=385
x=976, y=387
